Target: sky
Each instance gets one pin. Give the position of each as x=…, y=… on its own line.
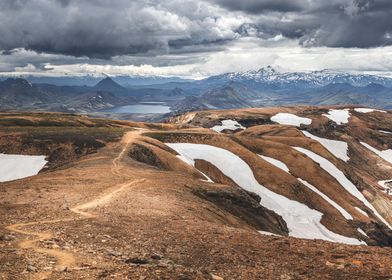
x=193, y=39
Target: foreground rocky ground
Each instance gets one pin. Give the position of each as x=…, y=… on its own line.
x=116, y=203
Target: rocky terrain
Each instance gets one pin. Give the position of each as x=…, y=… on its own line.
x=270, y=193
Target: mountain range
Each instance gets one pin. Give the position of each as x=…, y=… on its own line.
x=261, y=88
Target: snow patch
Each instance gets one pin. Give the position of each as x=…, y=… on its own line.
x=387, y=185
x=342, y=179
x=368, y=110
x=284, y=167
x=208, y=179
x=386, y=155
x=302, y=221
x=186, y=159
x=13, y=167
x=267, y=233
x=290, y=119
x=362, y=232
x=229, y=125
x=277, y=163
x=345, y=214
x=386, y=132
x=338, y=116
x=338, y=148
x=361, y=211
x=190, y=161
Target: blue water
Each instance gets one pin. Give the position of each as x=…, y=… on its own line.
x=140, y=109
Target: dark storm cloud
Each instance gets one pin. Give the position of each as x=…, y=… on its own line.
x=259, y=6
x=351, y=23
x=104, y=29
x=332, y=23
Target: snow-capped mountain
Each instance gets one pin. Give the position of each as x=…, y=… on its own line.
x=268, y=76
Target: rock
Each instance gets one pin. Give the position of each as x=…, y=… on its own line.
x=329, y=264
x=216, y=277
x=340, y=266
x=7, y=237
x=285, y=277
x=46, y=268
x=31, y=268
x=114, y=253
x=357, y=263
x=55, y=246
x=156, y=257
x=184, y=277
x=61, y=268
x=136, y=260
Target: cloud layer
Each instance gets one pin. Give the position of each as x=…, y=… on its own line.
x=181, y=32
x=108, y=28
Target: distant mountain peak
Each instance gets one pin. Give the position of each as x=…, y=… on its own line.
x=108, y=84
x=18, y=82
x=106, y=81
x=269, y=76
x=267, y=70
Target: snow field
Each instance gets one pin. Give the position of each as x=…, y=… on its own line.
x=229, y=125
x=284, y=167
x=13, y=167
x=302, y=221
x=342, y=179
x=386, y=155
x=338, y=148
x=340, y=116
x=290, y=119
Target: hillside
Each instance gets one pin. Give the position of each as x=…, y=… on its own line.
x=271, y=193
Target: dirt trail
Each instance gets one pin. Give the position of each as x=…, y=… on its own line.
x=66, y=260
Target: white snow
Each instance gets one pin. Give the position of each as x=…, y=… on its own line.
x=190, y=161
x=386, y=155
x=267, y=233
x=368, y=110
x=342, y=179
x=284, y=167
x=384, y=183
x=13, y=167
x=340, y=116
x=290, y=119
x=229, y=125
x=362, y=232
x=387, y=185
x=338, y=148
x=277, y=163
x=187, y=160
x=361, y=211
x=302, y=221
x=386, y=132
x=330, y=201
x=208, y=179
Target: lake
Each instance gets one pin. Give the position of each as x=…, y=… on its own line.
x=140, y=109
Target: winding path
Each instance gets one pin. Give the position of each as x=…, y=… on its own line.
x=65, y=260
